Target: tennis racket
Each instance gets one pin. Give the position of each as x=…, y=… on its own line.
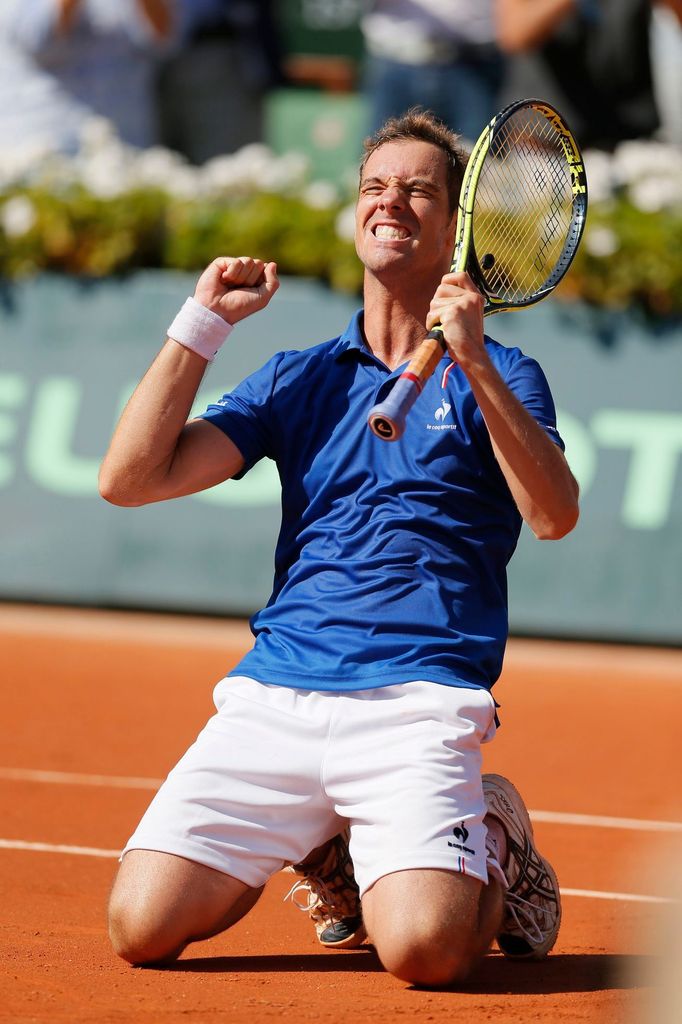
x=522, y=209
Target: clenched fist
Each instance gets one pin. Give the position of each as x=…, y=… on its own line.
x=236, y=287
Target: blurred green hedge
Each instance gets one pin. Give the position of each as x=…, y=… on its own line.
x=78, y=233
x=110, y=211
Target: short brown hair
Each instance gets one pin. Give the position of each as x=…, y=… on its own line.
x=423, y=125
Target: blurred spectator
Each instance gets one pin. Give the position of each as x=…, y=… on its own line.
x=212, y=90
x=666, y=55
x=63, y=61
x=589, y=57
x=440, y=54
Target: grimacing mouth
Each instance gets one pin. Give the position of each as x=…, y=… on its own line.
x=384, y=231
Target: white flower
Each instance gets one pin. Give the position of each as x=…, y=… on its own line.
x=345, y=223
x=600, y=179
x=97, y=133
x=105, y=174
x=18, y=162
x=650, y=171
x=273, y=178
x=184, y=182
x=655, y=193
x=104, y=164
x=321, y=195
x=17, y=216
x=254, y=168
x=252, y=160
x=155, y=166
x=633, y=161
x=601, y=241
x=221, y=174
x=286, y=173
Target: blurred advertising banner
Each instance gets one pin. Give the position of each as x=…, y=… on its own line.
x=70, y=354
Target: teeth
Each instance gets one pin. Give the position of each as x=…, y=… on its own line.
x=384, y=231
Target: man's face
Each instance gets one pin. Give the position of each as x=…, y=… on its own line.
x=403, y=220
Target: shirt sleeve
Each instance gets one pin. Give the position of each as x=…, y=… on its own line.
x=526, y=380
x=245, y=415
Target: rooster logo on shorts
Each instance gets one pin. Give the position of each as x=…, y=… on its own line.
x=461, y=834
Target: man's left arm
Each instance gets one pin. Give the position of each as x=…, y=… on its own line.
x=535, y=468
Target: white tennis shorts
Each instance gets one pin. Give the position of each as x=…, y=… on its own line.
x=278, y=771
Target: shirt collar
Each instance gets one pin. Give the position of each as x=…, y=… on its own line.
x=352, y=341
x=352, y=344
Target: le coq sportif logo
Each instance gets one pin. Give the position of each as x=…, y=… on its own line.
x=443, y=418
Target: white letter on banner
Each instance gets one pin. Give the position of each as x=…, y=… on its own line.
x=48, y=456
x=655, y=439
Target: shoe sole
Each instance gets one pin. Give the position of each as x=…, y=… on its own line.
x=352, y=942
x=515, y=800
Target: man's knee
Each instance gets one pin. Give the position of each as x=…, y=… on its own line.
x=427, y=956
x=136, y=936
x=161, y=902
x=426, y=924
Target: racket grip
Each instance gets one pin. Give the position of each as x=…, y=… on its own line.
x=387, y=419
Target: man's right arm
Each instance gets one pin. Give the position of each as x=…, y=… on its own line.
x=155, y=453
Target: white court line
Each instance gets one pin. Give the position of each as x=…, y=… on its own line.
x=628, y=897
x=78, y=779
x=81, y=851
x=603, y=821
x=91, y=851
x=134, y=782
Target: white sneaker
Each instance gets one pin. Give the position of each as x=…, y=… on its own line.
x=532, y=903
x=329, y=893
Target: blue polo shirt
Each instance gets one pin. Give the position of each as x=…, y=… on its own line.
x=391, y=560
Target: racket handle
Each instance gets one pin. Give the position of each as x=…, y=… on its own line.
x=387, y=419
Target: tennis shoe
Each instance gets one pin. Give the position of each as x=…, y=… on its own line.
x=532, y=903
x=329, y=893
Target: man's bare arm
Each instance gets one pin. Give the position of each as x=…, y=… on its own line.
x=155, y=453
x=536, y=470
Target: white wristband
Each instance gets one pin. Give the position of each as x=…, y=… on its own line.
x=200, y=329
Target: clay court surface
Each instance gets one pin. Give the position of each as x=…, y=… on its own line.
x=97, y=707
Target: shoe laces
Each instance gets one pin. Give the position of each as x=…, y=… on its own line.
x=524, y=915
x=532, y=881
x=315, y=897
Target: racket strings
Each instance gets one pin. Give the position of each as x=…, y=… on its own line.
x=522, y=257
x=530, y=236
x=537, y=160
x=524, y=206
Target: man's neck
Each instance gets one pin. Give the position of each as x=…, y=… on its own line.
x=394, y=324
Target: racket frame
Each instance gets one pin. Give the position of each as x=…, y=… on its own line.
x=387, y=419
